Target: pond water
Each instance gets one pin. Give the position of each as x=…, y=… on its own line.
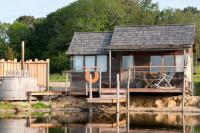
x=84, y=122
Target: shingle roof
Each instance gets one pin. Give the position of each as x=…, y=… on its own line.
x=152, y=37
x=89, y=43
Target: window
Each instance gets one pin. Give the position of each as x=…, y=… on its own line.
x=78, y=63
x=102, y=62
x=90, y=62
x=166, y=60
x=127, y=61
x=169, y=61
x=179, y=62
x=156, y=61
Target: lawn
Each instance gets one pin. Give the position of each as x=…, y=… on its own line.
x=196, y=81
x=57, y=77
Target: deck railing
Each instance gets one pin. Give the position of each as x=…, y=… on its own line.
x=78, y=81
x=153, y=77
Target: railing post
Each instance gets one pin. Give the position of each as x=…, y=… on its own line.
x=134, y=75
x=100, y=80
x=90, y=85
x=183, y=92
x=118, y=85
x=128, y=86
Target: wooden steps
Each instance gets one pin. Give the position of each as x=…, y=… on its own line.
x=77, y=93
x=112, y=96
x=105, y=100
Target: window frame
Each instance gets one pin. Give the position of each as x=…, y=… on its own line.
x=84, y=61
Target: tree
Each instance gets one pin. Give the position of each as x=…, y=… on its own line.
x=10, y=54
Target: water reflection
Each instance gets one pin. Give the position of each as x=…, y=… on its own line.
x=83, y=122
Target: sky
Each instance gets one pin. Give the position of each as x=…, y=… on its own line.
x=178, y=3
x=12, y=9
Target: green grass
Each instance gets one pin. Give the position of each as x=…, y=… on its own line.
x=196, y=81
x=40, y=105
x=7, y=105
x=57, y=77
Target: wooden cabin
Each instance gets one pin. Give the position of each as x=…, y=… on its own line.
x=148, y=58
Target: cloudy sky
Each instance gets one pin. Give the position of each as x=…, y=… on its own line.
x=12, y=9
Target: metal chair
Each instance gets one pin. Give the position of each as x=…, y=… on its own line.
x=165, y=80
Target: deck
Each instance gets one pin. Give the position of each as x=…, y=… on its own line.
x=131, y=90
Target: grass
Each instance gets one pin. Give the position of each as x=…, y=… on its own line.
x=196, y=81
x=57, y=77
x=40, y=105
x=6, y=105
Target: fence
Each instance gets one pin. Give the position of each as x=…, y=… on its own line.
x=38, y=69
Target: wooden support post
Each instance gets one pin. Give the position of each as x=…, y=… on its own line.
x=117, y=96
x=86, y=88
x=47, y=74
x=118, y=122
x=90, y=85
x=134, y=75
x=183, y=122
x=66, y=81
x=184, y=76
x=128, y=86
x=100, y=81
x=65, y=128
x=22, y=56
x=110, y=69
x=127, y=122
x=29, y=97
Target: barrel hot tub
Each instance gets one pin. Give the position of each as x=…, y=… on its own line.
x=16, y=88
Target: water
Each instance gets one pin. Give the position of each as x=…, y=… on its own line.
x=84, y=122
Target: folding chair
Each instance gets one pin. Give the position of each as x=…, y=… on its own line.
x=165, y=81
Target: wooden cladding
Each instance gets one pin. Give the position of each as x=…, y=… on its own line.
x=39, y=69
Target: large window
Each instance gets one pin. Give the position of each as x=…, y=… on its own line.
x=180, y=63
x=90, y=62
x=156, y=61
x=78, y=63
x=127, y=61
x=159, y=61
x=102, y=62
x=169, y=61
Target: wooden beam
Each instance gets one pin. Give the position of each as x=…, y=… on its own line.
x=22, y=56
x=110, y=69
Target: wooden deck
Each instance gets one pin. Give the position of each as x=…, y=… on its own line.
x=155, y=90
x=45, y=93
x=131, y=90
x=105, y=100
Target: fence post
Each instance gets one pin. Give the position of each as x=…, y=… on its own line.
x=90, y=85
x=100, y=81
x=47, y=74
x=4, y=70
x=118, y=85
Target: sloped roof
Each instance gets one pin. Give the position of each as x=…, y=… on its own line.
x=152, y=37
x=89, y=43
